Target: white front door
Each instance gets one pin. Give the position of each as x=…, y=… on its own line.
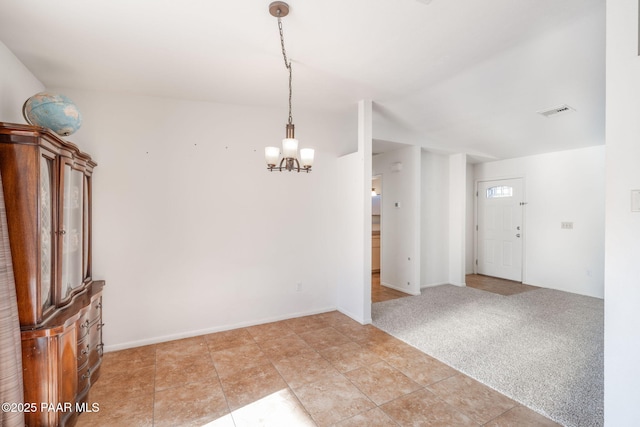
x=500, y=228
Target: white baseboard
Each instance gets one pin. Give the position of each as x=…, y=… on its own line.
x=388, y=285
x=354, y=317
x=430, y=285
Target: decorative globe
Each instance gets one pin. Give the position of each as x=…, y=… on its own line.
x=52, y=111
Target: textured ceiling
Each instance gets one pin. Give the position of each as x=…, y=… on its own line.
x=450, y=75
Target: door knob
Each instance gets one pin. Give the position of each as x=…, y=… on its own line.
x=518, y=235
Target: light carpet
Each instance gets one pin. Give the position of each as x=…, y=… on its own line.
x=542, y=348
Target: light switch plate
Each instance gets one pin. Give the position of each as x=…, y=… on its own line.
x=635, y=200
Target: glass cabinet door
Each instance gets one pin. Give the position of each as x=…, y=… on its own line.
x=72, y=230
x=85, y=231
x=46, y=231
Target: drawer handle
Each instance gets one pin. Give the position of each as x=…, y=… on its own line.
x=100, y=326
x=83, y=353
x=99, y=305
x=87, y=374
x=85, y=324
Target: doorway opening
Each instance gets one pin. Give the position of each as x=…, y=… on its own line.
x=379, y=293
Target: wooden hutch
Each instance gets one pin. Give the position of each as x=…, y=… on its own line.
x=47, y=189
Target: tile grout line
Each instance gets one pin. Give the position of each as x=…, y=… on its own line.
x=224, y=393
x=155, y=374
x=280, y=374
x=293, y=392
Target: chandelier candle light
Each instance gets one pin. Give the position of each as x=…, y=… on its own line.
x=289, y=160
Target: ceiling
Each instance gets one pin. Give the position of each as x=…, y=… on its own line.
x=448, y=75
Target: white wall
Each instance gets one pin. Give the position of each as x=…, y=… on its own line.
x=622, y=266
x=457, y=217
x=562, y=186
x=191, y=232
x=434, y=252
x=350, y=256
x=400, y=227
x=17, y=84
x=353, y=213
x=470, y=221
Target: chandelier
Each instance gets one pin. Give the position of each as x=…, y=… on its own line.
x=289, y=161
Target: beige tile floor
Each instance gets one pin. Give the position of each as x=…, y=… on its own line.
x=320, y=370
x=497, y=285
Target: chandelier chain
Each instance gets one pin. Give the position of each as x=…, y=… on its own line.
x=287, y=64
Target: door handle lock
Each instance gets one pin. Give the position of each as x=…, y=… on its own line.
x=518, y=235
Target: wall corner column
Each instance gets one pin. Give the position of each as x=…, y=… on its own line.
x=365, y=149
x=457, y=218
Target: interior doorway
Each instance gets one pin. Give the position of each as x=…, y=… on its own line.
x=376, y=222
x=500, y=228
x=379, y=292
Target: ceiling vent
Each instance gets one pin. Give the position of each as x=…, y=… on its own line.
x=561, y=109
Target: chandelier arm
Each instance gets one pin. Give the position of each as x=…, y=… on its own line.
x=290, y=92
x=287, y=64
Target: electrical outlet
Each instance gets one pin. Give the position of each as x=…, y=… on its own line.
x=566, y=225
x=299, y=287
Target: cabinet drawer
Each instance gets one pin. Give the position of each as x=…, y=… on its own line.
x=83, y=352
x=95, y=342
x=95, y=311
x=84, y=375
x=82, y=324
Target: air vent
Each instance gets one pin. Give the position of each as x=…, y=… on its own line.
x=561, y=109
